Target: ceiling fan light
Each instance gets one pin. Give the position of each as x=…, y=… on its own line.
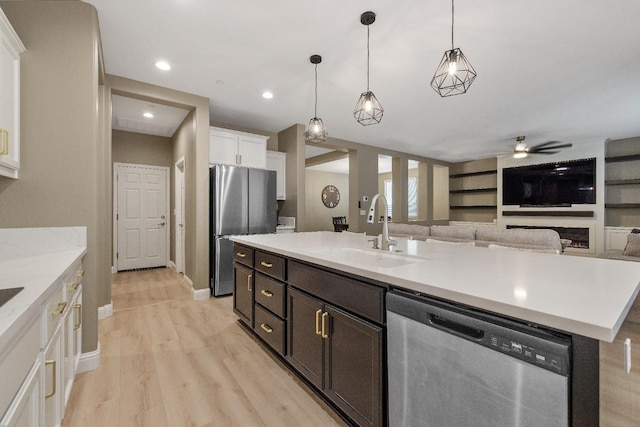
x=368, y=110
x=315, y=132
x=519, y=154
x=454, y=74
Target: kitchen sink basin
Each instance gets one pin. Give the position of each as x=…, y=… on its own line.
x=362, y=257
x=7, y=294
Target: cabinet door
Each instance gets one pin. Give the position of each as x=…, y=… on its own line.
x=25, y=410
x=353, y=366
x=223, y=147
x=243, y=293
x=53, y=376
x=72, y=343
x=277, y=161
x=304, y=347
x=252, y=151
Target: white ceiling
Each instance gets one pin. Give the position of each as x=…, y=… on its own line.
x=128, y=115
x=551, y=70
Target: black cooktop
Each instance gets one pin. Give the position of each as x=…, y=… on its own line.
x=7, y=294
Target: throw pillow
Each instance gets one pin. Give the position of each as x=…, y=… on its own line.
x=633, y=245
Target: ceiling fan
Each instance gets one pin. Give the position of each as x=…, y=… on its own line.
x=550, y=147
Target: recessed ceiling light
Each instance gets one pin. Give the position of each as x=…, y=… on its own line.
x=267, y=95
x=148, y=115
x=163, y=65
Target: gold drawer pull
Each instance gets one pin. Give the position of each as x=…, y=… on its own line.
x=318, y=313
x=60, y=310
x=53, y=381
x=79, y=308
x=249, y=282
x=74, y=285
x=266, y=293
x=80, y=273
x=324, y=317
x=241, y=254
x=266, y=328
x=266, y=264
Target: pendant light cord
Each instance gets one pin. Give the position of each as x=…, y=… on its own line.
x=315, y=108
x=451, y=24
x=367, y=58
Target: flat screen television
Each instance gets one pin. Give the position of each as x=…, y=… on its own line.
x=550, y=184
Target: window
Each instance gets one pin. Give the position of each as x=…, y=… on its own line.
x=388, y=194
x=412, y=196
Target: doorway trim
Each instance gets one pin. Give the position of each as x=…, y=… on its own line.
x=179, y=213
x=116, y=165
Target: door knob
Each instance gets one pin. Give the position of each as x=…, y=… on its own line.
x=161, y=224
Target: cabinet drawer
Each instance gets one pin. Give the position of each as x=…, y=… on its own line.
x=73, y=282
x=54, y=310
x=270, y=294
x=243, y=255
x=271, y=265
x=352, y=295
x=270, y=328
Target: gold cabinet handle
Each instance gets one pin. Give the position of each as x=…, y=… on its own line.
x=241, y=255
x=266, y=293
x=79, y=308
x=249, y=282
x=74, y=285
x=266, y=264
x=266, y=328
x=318, y=331
x=60, y=310
x=80, y=273
x=324, y=317
x=53, y=381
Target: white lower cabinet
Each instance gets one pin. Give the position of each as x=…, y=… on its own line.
x=41, y=398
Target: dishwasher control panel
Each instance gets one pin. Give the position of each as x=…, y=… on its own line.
x=536, y=356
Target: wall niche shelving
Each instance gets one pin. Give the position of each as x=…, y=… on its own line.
x=473, y=190
x=622, y=182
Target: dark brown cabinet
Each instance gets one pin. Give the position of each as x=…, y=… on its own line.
x=243, y=293
x=339, y=353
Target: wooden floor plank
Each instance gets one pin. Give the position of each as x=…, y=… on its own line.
x=167, y=360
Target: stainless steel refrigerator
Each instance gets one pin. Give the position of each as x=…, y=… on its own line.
x=242, y=201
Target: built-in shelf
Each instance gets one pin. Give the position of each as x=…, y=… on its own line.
x=474, y=207
x=582, y=214
x=630, y=157
x=462, y=175
x=622, y=205
x=622, y=181
x=474, y=190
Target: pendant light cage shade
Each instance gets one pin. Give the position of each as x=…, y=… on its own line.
x=315, y=132
x=368, y=110
x=454, y=74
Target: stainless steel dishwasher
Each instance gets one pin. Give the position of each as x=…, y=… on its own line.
x=450, y=366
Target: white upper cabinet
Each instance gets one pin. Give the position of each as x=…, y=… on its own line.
x=10, y=49
x=277, y=161
x=237, y=148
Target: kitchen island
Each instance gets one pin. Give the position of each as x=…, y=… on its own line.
x=585, y=298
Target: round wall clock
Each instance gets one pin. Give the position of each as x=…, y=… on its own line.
x=330, y=196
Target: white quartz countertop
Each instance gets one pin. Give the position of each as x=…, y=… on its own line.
x=580, y=295
x=34, y=258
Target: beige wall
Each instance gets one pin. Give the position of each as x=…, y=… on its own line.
x=137, y=148
x=318, y=216
x=63, y=157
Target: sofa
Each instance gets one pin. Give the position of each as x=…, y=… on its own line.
x=540, y=240
x=631, y=251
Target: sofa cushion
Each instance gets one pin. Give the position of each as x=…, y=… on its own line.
x=545, y=238
x=633, y=245
x=455, y=231
x=529, y=248
x=411, y=231
x=618, y=254
x=450, y=242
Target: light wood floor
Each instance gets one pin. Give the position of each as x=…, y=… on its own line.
x=167, y=360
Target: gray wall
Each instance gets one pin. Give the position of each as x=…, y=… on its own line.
x=318, y=216
x=137, y=148
x=64, y=162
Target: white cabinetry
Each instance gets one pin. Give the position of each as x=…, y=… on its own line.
x=10, y=49
x=237, y=148
x=277, y=161
x=49, y=348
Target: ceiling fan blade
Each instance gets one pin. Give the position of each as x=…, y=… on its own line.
x=544, y=144
x=543, y=152
x=538, y=149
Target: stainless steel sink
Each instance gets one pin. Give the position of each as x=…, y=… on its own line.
x=7, y=294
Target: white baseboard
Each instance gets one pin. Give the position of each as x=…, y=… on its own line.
x=114, y=270
x=201, y=294
x=171, y=264
x=89, y=361
x=105, y=311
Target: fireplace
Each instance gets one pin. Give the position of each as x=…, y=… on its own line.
x=579, y=236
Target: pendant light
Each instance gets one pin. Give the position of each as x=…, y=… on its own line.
x=368, y=110
x=455, y=73
x=315, y=131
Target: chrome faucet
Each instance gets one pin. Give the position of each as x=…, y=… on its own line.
x=386, y=241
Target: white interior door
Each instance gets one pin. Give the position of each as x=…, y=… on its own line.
x=141, y=216
x=179, y=229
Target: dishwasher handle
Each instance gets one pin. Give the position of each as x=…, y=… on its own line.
x=456, y=328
